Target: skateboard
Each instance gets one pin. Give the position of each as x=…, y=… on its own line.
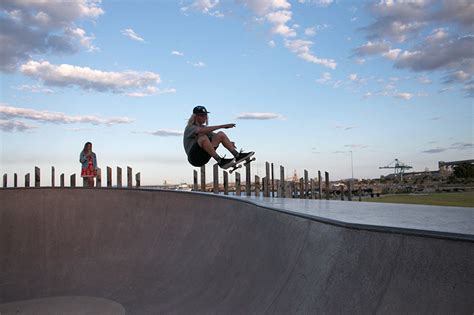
x=245, y=162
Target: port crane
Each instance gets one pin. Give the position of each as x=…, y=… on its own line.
x=399, y=167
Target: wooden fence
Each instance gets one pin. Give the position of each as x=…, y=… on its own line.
x=269, y=186
x=72, y=179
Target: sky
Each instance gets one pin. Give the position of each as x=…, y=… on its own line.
x=331, y=85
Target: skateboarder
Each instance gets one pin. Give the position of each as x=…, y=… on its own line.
x=200, y=141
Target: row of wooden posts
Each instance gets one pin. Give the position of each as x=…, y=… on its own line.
x=37, y=179
x=268, y=186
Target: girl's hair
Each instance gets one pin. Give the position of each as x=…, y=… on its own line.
x=85, y=146
x=192, y=120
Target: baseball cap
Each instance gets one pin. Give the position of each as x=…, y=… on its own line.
x=200, y=110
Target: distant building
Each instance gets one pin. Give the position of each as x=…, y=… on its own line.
x=447, y=168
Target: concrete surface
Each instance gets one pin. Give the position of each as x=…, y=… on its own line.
x=161, y=252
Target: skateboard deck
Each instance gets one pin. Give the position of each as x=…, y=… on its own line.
x=245, y=162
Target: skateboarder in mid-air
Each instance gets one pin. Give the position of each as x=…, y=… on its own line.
x=200, y=141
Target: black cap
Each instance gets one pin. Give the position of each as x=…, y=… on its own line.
x=200, y=110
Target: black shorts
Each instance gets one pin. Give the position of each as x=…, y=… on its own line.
x=197, y=156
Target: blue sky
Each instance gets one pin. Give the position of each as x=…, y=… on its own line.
x=306, y=82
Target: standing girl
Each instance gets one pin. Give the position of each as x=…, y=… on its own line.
x=89, y=164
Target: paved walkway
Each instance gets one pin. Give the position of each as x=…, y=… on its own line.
x=452, y=222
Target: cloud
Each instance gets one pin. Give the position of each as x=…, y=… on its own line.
x=14, y=126
x=372, y=48
x=151, y=91
x=198, y=64
x=88, y=79
x=205, y=7
x=10, y=112
x=164, y=133
x=278, y=14
x=132, y=35
x=302, y=48
x=462, y=146
x=321, y=3
x=34, y=89
x=177, y=53
x=346, y=127
x=259, y=116
x=356, y=146
x=310, y=31
x=325, y=77
x=448, y=47
x=30, y=28
x=433, y=151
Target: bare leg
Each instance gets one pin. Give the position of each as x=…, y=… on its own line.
x=91, y=181
x=221, y=137
x=206, y=144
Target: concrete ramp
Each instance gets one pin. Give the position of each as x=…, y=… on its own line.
x=161, y=252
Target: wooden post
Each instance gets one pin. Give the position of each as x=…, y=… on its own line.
x=320, y=185
x=326, y=175
x=129, y=177
x=248, y=180
x=15, y=180
x=99, y=177
x=52, y=176
x=266, y=184
x=27, y=180
x=277, y=183
x=61, y=180
x=349, y=190
x=342, y=192
x=302, y=188
x=4, y=180
x=37, y=177
x=360, y=193
x=119, y=177
x=226, y=183
x=312, y=189
x=138, y=180
x=257, y=186
x=203, y=178
x=73, y=180
x=273, y=182
x=237, y=184
x=216, y=178
x=109, y=177
x=282, y=182
x=306, y=184
x=195, y=180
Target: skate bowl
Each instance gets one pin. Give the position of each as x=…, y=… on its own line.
x=136, y=251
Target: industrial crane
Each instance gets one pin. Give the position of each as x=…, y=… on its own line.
x=398, y=166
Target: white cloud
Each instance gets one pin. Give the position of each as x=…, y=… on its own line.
x=198, y=64
x=302, y=49
x=177, y=53
x=151, y=91
x=14, y=126
x=65, y=75
x=310, y=31
x=132, y=35
x=204, y=6
x=404, y=96
x=272, y=43
x=325, y=77
x=9, y=112
x=392, y=54
x=164, y=133
x=43, y=27
x=259, y=116
x=448, y=48
x=34, y=89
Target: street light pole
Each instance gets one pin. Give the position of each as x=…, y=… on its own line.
x=352, y=167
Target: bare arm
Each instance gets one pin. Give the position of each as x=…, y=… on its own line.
x=207, y=129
